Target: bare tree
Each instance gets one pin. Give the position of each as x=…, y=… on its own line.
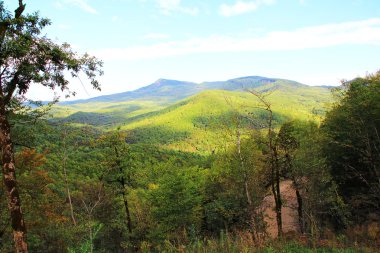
x=273, y=157
x=94, y=198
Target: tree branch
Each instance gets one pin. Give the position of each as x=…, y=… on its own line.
x=11, y=87
x=20, y=9
x=3, y=28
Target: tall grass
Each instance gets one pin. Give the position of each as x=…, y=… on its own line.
x=243, y=243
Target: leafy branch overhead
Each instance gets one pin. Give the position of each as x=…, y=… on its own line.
x=29, y=57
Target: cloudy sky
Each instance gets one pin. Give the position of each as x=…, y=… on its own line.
x=316, y=42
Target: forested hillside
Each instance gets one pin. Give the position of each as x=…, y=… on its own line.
x=201, y=168
x=178, y=166
x=212, y=100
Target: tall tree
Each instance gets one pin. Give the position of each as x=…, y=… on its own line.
x=272, y=156
x=303, y=162
x=118, y=167
x=287, y=144
x=352, y=146
x=28, y=57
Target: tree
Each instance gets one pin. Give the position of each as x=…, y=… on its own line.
x=28, y=57
x=247, y=159
x=303, y=162
x=176, y=200
x=118, y=167
x=235, y=189
x=288, y=145
x=352, y=145
x=272, y=153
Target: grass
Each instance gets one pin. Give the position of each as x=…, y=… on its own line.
x=228, y=245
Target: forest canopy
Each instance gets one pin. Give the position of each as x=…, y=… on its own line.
x=270, y=168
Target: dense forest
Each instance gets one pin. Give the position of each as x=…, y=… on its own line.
x=184, y=177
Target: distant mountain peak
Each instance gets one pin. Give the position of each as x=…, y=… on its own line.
x=168, y=90
x=162, y=80
x=169, y=82
x=254, y=78
x=249, y=77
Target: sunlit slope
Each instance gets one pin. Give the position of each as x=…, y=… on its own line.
x=124, y=108
x=105, y=114
x=199, y=123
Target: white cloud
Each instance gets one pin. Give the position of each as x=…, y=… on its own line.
x=82, y=4
x=156, y=36
x=63, y=27
x=241, y=7
x=169, y=6
x=365, y=32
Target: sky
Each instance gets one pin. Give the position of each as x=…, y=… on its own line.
x=315, y=42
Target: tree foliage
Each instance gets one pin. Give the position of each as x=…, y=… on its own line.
x=352, y=145
x=185, y=178
x=28, y=57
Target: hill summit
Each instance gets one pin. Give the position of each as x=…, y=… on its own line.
x=169, y=91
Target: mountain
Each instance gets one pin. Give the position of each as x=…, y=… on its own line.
x=168, y=91
x=164, y=90
x=168, y=109
x=199, y=123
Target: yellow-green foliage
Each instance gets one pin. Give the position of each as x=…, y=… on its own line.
x=204, y=118
x=200, y=123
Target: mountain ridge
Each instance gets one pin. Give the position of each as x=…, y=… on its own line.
x=169, y=90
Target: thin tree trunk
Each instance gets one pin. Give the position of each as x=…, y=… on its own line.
x=91, y=241
x=66, y=180
x=9, y=178
x=129, y=221
x=273, y=161
x=278, y=204
x=238, y=144
x=123, y=185
x=275, y=185
x=246, y=187
x=300, y=210
x=275, y=174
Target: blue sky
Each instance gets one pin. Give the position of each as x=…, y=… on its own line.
x=316, y=42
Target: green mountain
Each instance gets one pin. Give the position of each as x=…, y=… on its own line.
x=122, y=108
x=163, y=90
x=168, y=91
x=206, y=120
x=195, y=117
